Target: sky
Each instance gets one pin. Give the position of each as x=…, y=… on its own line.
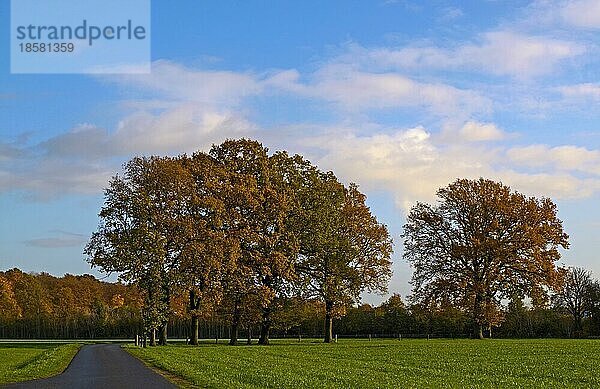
x=401, y=97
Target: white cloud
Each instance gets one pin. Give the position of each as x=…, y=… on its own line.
x=173, y=81
x=582, y=13
x=344, y=86
x=502, y=52
x=9, y=151
x=556, y=185
x=399, y=162
x=352, y=89
x=44, y=178
x=82, y=160
x=561, y=158
x=510, y=53
x=176, y=110
x=473, y=131
x=182, y=129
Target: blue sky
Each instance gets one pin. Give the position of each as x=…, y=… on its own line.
x=401, y=97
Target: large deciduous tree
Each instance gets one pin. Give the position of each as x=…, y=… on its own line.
x=256, y=207
x=206, y=247
x=144, y=230
x=344, y=250
x=482, y=243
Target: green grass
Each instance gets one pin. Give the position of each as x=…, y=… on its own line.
x=22, y=362
x=385, y=364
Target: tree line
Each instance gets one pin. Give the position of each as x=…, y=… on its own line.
x=243, y=238
x=41, y=306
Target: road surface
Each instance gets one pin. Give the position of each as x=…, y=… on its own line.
x=101, y=366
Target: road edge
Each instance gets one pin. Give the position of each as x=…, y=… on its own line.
x=175, y=379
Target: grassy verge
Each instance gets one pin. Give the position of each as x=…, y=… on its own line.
x=385, y=364
x=22, y=362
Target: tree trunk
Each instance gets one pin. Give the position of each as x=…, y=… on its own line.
x=328, y=321
x=194, y=304
x=195, y=326
x=249, y=342
x=478, y=316
x=235, y=324
x=477, y=330
x=265, y=327
x=578, y=326
x=153, y=337
x=233, y=340
x=163, y=334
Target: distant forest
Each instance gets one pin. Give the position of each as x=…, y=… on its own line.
x=41, y=306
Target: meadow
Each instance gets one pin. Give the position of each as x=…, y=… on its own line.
x=23, y=361
x=546, y=363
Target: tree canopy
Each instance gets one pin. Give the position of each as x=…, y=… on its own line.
x=236, y=227
x=482, y=243
x=344, y=250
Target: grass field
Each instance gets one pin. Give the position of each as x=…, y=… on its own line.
x=385, y=364
x=22, y=362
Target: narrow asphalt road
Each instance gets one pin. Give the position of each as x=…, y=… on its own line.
x=101, y=366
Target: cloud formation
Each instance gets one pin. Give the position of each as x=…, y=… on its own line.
x=179, y=108
x=581, y=13
x=356, y=90
x=82, y=160
x=500, y=53
x=473, y=131
x=173, y=81
x=560, y=158
x=413, y=163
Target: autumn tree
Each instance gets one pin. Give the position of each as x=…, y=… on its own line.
x=482, y=243
x=29, y=292
x=344, y=250
x=238, y=194
x=143, y=232
x=207, y=248
x=576, y=295
x=256, y=208
x=9, y=307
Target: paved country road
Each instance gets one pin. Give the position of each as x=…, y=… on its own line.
x=101, y=366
